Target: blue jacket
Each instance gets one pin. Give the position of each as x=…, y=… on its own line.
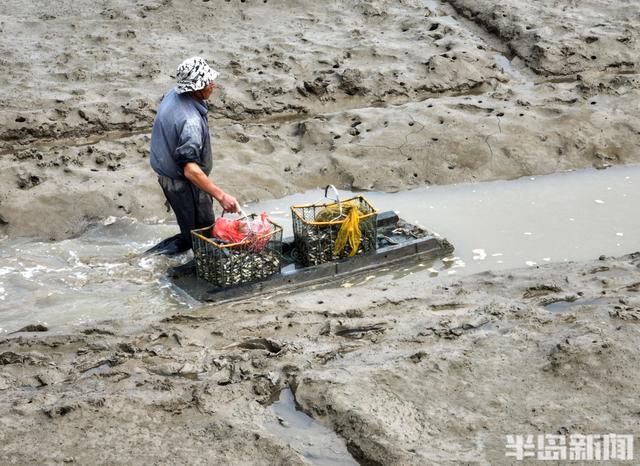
x=180, y=135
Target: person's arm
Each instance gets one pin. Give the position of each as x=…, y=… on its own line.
x=195, y=175
x=187, y=156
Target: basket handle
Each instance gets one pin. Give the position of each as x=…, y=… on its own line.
x=243, y=215
x=335, y=191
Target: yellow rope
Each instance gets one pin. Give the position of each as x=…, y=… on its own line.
x=349, y=232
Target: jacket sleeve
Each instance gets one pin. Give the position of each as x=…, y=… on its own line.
x=190, y=144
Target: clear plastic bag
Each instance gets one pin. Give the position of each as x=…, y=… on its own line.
x=255, y=232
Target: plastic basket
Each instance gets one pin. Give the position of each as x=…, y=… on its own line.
x=315, y=240
x=226, y=265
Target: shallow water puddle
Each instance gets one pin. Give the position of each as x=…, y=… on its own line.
x=493, y=225
x=519, y=223
x=314, y=442
x=566, y=305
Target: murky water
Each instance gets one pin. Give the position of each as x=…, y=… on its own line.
x=494, y=225
x=315, y=443
x=566, y=305
x=94, y=277
x=526, y=222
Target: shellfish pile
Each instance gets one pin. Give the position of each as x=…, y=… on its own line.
x=316, y=243
x=237, y=267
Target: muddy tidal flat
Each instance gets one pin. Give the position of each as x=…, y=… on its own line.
x=402, y=372
x=374, y=95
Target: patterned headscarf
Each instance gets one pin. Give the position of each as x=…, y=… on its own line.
x=194, y=74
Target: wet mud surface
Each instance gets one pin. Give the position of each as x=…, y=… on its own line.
x=367, y=95
x=410, y=371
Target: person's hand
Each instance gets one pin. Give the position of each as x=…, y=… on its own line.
x=229, y=204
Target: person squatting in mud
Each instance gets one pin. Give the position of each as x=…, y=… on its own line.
x=181, y=150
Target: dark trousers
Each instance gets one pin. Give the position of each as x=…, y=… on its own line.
x=192, y=206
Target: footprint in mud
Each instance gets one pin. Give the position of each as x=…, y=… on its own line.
x=360, y=331
x=540, y=290
x=266, y=344
x=625, y=313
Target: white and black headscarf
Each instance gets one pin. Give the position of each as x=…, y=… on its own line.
x=194, y=74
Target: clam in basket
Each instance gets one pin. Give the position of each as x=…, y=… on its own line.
x=226, y=265
x=327, y=231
